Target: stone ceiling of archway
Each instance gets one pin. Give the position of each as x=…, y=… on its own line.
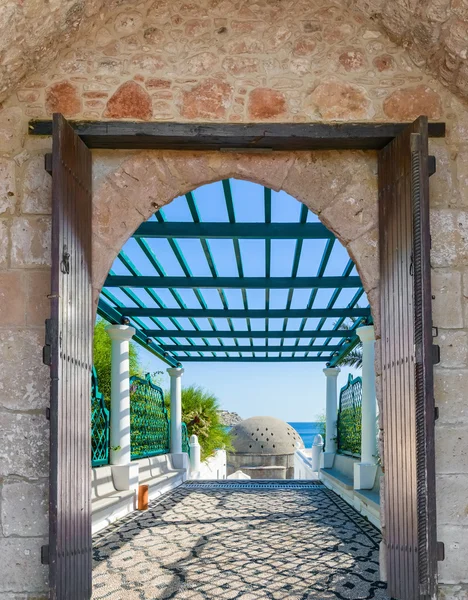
x=34, y=33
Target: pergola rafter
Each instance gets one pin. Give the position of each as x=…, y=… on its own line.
x=179, y=327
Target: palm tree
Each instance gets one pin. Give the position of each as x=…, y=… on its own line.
x=354, y=357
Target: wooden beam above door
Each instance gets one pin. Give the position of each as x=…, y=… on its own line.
x=255, y=137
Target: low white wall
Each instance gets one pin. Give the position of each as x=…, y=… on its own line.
x=303, y=465
x=213, y=467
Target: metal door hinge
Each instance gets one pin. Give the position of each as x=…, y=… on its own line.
x=47, y=413
x=431, y=165
x=50, y=336
x=48, y=163
x=435, y=331
x=440, y=551
x=435, y=354
x=47, y=348
x=436, y=413
x=45, y=555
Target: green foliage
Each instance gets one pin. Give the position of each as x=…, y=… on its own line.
x=200, y=412
x=322, y=420
x=102, y=359
x=349, y=430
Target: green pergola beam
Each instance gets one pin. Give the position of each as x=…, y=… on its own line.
x=221, y=313
x=234, y=231
x=109, y=313
x=205, y=348
x=258, y=359
x=338, y=333
x=231, y=282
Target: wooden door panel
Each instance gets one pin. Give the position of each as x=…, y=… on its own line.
x=69, y=352
x=407, y=381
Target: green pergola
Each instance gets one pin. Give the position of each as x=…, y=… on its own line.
x=316, y=331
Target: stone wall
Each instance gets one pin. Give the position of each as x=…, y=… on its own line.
x=224, y=62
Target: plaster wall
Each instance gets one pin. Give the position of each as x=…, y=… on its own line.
x=198, y=62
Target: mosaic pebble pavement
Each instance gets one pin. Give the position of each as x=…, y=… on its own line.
x=242, y=541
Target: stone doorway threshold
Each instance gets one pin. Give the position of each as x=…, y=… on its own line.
x=252, y=540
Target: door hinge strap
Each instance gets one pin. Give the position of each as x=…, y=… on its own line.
x=45, y=555
x=47, y=348
x=435, y=354
x=48, y=162
x=440, y=551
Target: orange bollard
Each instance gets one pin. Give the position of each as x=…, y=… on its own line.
x=142, y=497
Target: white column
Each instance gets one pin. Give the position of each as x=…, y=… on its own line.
x=176, y=409
x=331, y=416
x=194, y=456
x=120, y=394
x=365, y=471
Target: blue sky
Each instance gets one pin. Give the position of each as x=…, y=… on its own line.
x=290, y=391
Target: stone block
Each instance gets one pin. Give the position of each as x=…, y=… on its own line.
x=450, y=387
x=453, y=568
x=4, y=242
x=37, y=188
x=374, y=300
x=451, y=443
x=453, y=348
x=12, y=130
x=334, y=100
x=365, y=253
x=316, y=178
x=452, y=499
x=447, y=309
x=22, y=570
x=354, y=211
x=24, y=445
x=12, y=298
x=208, y=99
x=24, y=378
x=269, y=171
x=24, y=508
x=38, y=303
x=453, y=592
x=408, y=103
x=7, y=186
x=449, y=230
x=30, y=242
x=443, y=189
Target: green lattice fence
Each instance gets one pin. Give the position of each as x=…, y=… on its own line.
x=100, y=425
x=149, y=422
x=349, y=417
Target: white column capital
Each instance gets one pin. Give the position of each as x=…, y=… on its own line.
x=366, y=333
x=122, y=333
x=175, y=371
x=332, y=371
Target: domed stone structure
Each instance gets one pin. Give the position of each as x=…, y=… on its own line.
x=263, y=447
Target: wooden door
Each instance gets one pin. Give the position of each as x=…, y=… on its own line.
x=407, y=379
x=68, y=350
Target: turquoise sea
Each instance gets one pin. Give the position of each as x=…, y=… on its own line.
x=307, y=430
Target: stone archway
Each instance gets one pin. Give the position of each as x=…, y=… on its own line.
x=339, y=187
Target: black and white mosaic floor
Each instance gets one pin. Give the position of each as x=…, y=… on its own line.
x=252, y=541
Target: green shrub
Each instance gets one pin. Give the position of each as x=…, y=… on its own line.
x=200, y=412
x=102, y=359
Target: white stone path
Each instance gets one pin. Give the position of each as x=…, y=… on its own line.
x=240, y=541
